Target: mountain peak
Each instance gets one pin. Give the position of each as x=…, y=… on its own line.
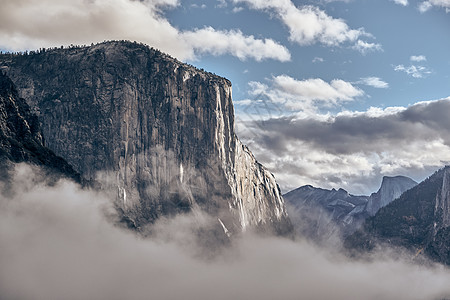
x=123, y=52
x=396, y=179
x=391, y=188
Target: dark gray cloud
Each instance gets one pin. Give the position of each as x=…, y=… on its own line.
x=348, y=134
x=58, y=243
x=351, y=148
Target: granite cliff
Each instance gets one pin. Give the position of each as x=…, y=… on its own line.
x=391, y=188
x=328, y=215
x=157, y=131
x=21, y=139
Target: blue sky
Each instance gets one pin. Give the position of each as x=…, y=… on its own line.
x=401, y=31
x=328, y=93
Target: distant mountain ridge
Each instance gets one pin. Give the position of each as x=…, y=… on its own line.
x=327, y=215
x=418, y=220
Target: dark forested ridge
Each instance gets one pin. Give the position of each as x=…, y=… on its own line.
x=418, y=220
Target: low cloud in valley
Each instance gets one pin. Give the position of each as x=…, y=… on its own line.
x=60, y=242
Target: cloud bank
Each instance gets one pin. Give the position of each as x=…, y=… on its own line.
x=31, y=24
x=352, y=150
x=57, y=244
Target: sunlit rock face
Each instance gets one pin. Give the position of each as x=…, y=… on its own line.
x=160, y=132
x=328, y=215
x=391, y=188
x=418, y=220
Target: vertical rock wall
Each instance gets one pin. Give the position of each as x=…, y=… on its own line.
x=159, y=131
x=21, y=139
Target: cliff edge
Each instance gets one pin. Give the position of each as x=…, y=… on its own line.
x=158, y=131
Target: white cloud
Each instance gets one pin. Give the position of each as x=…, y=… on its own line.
x=401, y=2
x=317, y=59
x=413, y=70
x=208, y=40
x=418, y=58
x=309, y=25
x=305, y=95
x=365, y=47
x=222, y=3
x=373, y=112
x=162, y=3
x=201, y=6
x=375, y=82
x=30, y=24
x=317, y=89
x=426, y=5
x=243, y=102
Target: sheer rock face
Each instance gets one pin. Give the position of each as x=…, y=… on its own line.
x=327, y=215
x=160, y=132
x=442, y=207
x=391, y=188
x=21, y=139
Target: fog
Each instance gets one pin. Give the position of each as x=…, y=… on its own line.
x=61, y=242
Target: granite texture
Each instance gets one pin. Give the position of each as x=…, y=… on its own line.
x=157, y=131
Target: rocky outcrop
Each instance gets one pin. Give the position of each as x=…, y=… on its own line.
x=328, y=215
x=418, y=221
x=391, y=188
x=442, y=207
x=157, y=130
x=21, y=139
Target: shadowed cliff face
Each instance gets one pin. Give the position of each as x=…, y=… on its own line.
x=161, y=132
x=21, y=139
